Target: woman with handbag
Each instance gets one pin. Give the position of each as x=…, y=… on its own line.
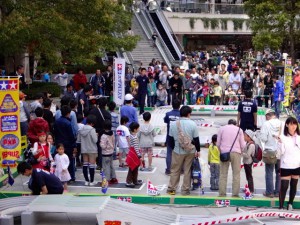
x=230, y=142
x=289, y=161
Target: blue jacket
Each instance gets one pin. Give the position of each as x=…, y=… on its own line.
x=130, y=112
x=278, y=90
x=63, y=133
x=171, y=116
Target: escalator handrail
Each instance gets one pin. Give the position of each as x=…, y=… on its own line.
x=141, y=25
x=158, y=44
x=159, y=35
x=148, y=18
x=167, y=30
x=165, y=21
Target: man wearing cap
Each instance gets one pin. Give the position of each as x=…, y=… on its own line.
x=128, y=110
x=24, y=114
x=230, y=139
x=268, y=134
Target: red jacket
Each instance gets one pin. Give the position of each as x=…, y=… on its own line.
x=36, y=126
x=79, y=79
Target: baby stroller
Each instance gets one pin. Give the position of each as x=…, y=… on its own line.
x=197, y=176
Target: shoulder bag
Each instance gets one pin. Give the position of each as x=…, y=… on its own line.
x=224, y=157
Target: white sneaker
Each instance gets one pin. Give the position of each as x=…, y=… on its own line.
x=94, y=183
x=87, y=183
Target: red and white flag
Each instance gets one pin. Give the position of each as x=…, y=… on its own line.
x=151, y=189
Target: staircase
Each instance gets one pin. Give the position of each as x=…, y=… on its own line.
x=164, y=35
x=144, y=52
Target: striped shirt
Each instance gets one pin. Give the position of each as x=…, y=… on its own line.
x=134, y=142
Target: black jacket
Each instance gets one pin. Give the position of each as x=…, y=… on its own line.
x=99, y=124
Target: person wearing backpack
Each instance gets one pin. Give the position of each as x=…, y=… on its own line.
x=184, y=140
x=248, y=153
x=107, y=143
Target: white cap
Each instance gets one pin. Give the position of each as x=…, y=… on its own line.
x=128, y=97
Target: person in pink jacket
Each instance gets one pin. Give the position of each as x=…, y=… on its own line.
x=230, y=139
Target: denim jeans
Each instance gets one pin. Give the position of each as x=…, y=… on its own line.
x=277, y=108
x=151, y=100
x=160, y=103
x=169, y=156
x=269, y=176
x=193, y=98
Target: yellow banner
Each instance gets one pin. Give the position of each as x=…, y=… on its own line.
x=10, y=135
x=288, y=69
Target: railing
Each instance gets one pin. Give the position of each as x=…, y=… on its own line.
x=166, y=23
x=190, y=6
x=148, y=30
x=165, y=50
x=168, y=31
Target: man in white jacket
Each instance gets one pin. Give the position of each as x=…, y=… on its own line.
x=268, y=135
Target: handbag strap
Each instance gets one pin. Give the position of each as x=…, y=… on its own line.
x=235, y=139
x=101, y=114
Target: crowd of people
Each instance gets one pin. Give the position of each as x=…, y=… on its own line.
x=86, y=131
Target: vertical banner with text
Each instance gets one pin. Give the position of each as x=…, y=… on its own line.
x=119, y=81
x=10, y=136
x=288, y=78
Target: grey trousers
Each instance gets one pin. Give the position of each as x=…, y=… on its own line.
x=214, y=176
x=108, y=168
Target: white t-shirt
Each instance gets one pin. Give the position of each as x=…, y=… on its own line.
x=122, y=134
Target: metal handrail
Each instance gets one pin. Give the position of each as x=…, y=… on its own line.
x=161, y=18
x=210, y=8
x=169, y=28
x=151, y=24
x=149, y=33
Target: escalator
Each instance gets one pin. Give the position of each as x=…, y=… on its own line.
x=164, y=35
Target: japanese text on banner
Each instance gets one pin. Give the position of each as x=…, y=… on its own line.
x=10, y=137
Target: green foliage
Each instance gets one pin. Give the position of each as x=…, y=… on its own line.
x=205, y=22
x=192, y=22
x=238, y=24
x=224, y=23
x=214, y=23
x=57, y=31
x=38, y=87
x=274, y=22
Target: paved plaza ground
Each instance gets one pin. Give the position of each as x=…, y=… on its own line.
x=158, y=178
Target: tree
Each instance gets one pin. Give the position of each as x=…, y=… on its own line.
x=274, y=23
x=57, y=31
